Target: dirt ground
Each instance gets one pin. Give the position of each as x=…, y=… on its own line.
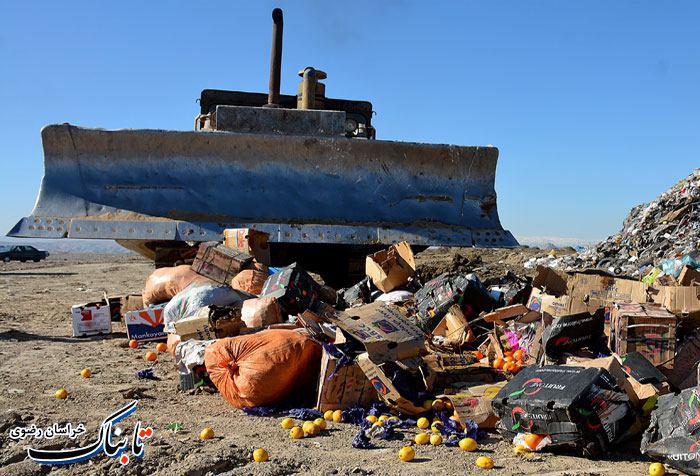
x=38, y=356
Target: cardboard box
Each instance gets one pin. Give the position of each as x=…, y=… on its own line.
x=438, y=295
x=219, y=263
x=344, y=388
x=689, y=276
x=447, y=372
x=386, y=333
x=550, y=281
x=249, y=241
x=646, y=380
x=474, y=403
x=378, y=375
x=573, y=332
x=206, y=326
x=685, y=364
x=683, y=301
x=91, y=319
x=573, y=405
x=294, y=289
x=389, y=269
x=552, y=305
x=614, y=367
x=454, y=327
x=646, y=328
x=589, y=292
x=146, y=324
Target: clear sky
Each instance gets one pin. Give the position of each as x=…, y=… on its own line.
x=594, y=105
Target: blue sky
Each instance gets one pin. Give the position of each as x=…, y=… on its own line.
x=594, y=105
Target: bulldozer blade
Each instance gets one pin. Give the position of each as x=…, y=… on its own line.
x=189, y=186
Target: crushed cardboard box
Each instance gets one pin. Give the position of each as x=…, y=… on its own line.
x=390, y=268
x=342, y=388
x=474, y=403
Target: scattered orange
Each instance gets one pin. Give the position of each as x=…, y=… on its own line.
x=509, y=358
x=532, y=440
x=509, y=366
x=133, y=343
x=161, y=346
x=478, y=355
x=151, y=356
x=519, y=354
x=508, y=353
x=498, y=363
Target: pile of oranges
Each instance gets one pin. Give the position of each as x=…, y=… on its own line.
x=512, y=362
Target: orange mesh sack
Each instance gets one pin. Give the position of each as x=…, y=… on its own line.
x=250, y=281
x=262, y=368
x=164, y=283
x=261, y=312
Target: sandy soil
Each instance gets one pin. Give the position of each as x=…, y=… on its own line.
x=38, y=356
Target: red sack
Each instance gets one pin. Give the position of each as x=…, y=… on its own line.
x=164, y=283
x=250, y=281
x=262, y=368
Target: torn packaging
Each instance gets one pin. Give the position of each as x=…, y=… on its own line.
x=454, y=328
x=574, y=405
x=674, y=432
x=474, y=403
x=344, y=387
x=389, y=269
x=646, y=328
x=399, y=384
x=218, y=262
x=573, y=332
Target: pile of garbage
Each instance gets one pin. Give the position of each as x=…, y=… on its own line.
x=656, y=239
x=559, y=360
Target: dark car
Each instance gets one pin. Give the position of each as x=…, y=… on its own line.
x=21, y=253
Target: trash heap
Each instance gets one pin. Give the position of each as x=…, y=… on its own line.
x=559, y=360
x=657, y=239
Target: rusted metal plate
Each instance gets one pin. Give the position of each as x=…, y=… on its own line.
x=167, y=185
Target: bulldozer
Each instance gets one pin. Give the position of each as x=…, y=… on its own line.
x=306, y=169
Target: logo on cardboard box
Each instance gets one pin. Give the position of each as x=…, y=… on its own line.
x=535, y=304
x=385, y=326
x=379, y=386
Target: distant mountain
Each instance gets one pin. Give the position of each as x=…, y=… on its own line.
x=553, y=242
x=68, y=245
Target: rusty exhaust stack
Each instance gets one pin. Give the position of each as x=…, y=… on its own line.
x=273, y=97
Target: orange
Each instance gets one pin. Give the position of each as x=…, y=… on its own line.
x=509, y=366
x=532, y=440
x=161, y=347
x=498, y=363
x=151, y=356
x=510, y=358
x=517, y=368
x=478, y=355
x=519, y=354
x=133, y=343
x=508, y=353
